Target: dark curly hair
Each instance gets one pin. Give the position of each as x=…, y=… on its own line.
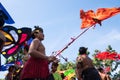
x=11, y=68
x=35, y=31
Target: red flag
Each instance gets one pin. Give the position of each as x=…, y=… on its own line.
x=113, y=56
x=107, y=55
x=118, y=56
x=90, y=18
x=102, y=55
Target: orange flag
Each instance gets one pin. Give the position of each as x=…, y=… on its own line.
x=90, y=18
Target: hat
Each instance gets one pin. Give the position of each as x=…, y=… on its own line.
x=82, y=50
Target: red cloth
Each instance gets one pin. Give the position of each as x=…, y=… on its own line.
x=90, y=18
x=118, y=56
x=35, y=68
x=107, y=55
x=102, y=55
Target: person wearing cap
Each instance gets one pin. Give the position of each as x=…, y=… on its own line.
x=85, y=69
x=37, y=66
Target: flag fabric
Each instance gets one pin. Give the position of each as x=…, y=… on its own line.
x=5, y=15
x=107, y=55
x=90, y=18
x=5, y=66
x=15, y=39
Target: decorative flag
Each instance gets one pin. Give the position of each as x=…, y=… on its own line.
x=5, y=66
x=102, y=55
x=15, y=38
x=118, y=56
x=5, y=15
x=107, y=55
x=90, y=18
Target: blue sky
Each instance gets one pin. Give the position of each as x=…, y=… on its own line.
x=60, y=20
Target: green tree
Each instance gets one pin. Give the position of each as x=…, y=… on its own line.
x=66, y=66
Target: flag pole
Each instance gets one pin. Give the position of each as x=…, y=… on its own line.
x=73, y=39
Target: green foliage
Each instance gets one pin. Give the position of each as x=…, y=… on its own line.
x=66, y=66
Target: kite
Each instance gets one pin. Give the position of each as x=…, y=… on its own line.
x=90, y=18
x=15, y=38
x=5, y=15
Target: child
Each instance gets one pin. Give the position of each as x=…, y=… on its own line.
x=54, y=74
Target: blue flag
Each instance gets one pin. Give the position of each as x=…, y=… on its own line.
x=5, y=15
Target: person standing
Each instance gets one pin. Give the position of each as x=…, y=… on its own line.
x=54, y=75
x=26, y=55
x=37, y=66
x=85, y=69
x=10, y=73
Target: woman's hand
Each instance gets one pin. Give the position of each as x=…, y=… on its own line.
x=51, y=58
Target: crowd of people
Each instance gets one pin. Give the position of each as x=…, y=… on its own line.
x=36, y=62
